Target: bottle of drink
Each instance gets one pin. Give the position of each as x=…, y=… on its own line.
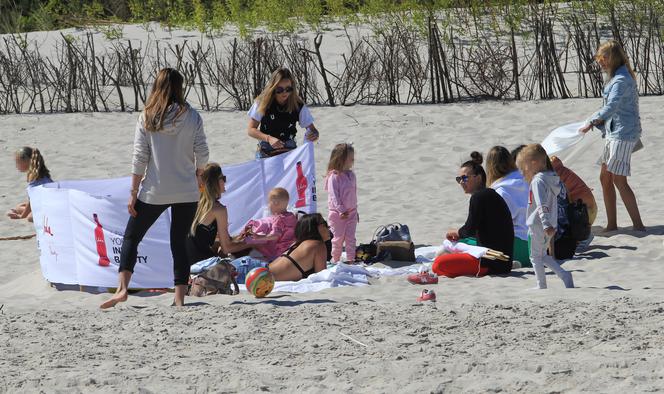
x=301, y=184
x=101, y=243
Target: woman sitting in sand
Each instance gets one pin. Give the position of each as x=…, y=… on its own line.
x=308, y=255
x=275, y=112
x=208, y=236
x=489, y=224
x=30, y=161
x=503, y=177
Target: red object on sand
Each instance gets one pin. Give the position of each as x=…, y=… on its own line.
x=427, y=295
x=423, y=278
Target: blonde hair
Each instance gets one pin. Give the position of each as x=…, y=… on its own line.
x=339, y=156
x=166, y=91
x=279, y=193
x=266, y=97
x=37, y=168
x=209, y=195
x=533, y=152
x=499, y=162
x=615, y=57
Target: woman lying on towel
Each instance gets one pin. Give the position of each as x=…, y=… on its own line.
x=489, y=224
x=308, y=255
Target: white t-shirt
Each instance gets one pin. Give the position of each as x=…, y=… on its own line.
x=305, y=120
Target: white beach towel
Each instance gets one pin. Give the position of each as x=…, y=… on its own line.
x=460, y=247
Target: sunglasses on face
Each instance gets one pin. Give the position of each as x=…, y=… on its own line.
x=223, y=178
x=462, y=179
x=287, y=89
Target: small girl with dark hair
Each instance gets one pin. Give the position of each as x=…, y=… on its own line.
x=341, y=185
x=489, y=223
x=30, y=161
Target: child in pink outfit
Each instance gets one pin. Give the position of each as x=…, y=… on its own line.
x=273, y=235
x=341, y=185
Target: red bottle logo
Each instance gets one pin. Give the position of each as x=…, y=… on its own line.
x=301, y=184
x=101, y=243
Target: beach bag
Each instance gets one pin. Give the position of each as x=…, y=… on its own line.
x=365, y=252
x=578, y=220
x=393, y=241
x=267, y=150
x=396, y=250
x=392, y=232
x=216, y=280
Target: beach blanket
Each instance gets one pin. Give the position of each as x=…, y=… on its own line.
x=341, y=275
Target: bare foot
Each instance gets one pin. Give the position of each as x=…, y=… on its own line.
x=639, y=228
x=609, y=229
x=117, y=298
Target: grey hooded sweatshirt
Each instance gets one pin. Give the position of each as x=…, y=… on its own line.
x=543, y=202
x=168, y=158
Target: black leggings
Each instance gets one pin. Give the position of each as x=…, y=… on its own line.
x=182, y=216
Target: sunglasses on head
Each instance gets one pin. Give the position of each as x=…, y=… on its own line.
x=462, y=179
x=287, y=89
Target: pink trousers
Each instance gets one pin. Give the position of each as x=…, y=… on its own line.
x=344, y=234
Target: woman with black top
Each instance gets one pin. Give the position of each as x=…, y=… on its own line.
x=275, y=112
x=489, y=224
x=310, y=252
x=209, y=229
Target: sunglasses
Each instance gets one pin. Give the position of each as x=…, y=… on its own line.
x=223, y=178
x=462, y=179
x=287, y=89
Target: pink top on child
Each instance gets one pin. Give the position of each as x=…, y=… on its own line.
x=282, y=224
x=576, y=187
x=342, y=191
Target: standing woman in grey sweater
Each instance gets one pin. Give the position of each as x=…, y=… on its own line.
x=170, y=153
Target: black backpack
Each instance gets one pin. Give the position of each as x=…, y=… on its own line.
x=579, y=222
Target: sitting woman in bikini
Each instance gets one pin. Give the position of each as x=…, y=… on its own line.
x=310, y=252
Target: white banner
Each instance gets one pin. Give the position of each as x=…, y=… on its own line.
x=80, y=224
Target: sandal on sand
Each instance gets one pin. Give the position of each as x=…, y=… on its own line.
x=427, y=295
x=423, y=278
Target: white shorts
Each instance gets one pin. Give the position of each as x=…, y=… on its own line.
x=617, y=156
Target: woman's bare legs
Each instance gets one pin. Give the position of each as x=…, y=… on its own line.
x=629, y=199
x=121, y=292
x=609, y=192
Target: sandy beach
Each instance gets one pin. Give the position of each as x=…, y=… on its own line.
x=488, y=334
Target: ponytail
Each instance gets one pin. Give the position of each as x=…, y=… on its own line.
x=37, y=169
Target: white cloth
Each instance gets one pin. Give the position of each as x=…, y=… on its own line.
x=514, y=190
x=344, y=275
x=562, y=138
x=460, y=247
x=306, y=119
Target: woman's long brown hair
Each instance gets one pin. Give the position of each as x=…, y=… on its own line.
x=209, y=194
x=167, y=90
x=266, y=98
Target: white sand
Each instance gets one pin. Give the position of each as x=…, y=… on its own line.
x=488, y=334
